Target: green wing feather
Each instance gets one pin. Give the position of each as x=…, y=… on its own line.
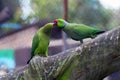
x=80, y=31
x=35, y=44
x=85, y=29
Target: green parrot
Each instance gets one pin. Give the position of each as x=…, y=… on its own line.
x=77, y=31
x=41, y=41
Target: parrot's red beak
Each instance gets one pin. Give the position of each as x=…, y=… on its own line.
x=55, y=22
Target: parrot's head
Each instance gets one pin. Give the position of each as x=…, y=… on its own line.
x=61, y=23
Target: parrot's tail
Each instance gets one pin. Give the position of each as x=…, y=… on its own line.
x=29, y=60
x=100, y=32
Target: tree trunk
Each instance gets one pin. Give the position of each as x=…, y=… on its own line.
x=92, y=60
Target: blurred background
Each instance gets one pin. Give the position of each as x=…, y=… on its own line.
x=20, y=19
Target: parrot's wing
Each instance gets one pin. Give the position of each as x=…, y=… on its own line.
x=85, y=30
x=34, y=46
x=81, y=31
x=35, y=43
x=79, y=35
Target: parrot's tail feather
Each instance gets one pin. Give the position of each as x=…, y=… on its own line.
x=100, y=32
x=29, y=60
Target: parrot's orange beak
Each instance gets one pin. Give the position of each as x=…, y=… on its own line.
x=55, y=22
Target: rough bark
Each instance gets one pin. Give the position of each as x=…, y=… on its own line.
x=92, y=60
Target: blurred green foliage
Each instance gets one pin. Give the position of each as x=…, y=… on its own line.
x=89, y=12
x=47, y=9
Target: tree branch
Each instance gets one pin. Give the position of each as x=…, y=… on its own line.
x=92, y=60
